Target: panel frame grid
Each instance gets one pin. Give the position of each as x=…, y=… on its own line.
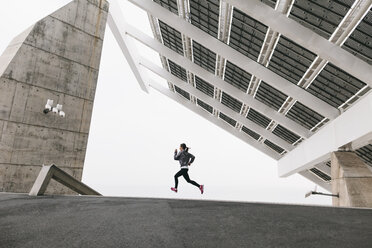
x=355, y=44
x=335, y=86
x=171, y=5
x=286, y=134
x=182, y=92
x=204, y=105
x=246, y=30
x=204, y=14
x=290, y=60
x=227, y=119
x=321, y=19
x=177, y=70
x=171, y=38
x=204, y=57
x=204, y=86
x=270, y=96
x=320, y=174
x=251, y=133
x=274, y=146
x=258, y=118
x=236, y=76
x=230, y=102
x=304, y=116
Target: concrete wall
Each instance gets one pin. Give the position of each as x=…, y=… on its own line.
x=57, y=58
x=351, y=179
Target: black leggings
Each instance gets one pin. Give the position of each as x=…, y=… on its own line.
x=183, y=172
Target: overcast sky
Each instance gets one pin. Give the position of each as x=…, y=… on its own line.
x=133, y=134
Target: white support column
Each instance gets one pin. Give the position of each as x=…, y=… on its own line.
x=218, y=82
x=218, y=122
x=307, y=38
x=237, y=58
x=352, y=125
x=117, y=25
x=216, y=104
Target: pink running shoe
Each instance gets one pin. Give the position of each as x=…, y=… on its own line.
x=174, y=189
x=201, y=189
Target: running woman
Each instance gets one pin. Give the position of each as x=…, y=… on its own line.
x=186, y=159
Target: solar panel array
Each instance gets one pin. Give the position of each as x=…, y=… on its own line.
x=289, y=60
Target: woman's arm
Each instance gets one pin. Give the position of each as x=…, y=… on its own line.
x=192, y=158
x=177, y=156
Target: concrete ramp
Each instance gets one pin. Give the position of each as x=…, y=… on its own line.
x=86, y=221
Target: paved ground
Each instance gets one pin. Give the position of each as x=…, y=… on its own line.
x=80, y=221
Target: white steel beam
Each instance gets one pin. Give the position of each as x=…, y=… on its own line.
x=353, y=124
x=218, y=82
x=117, y=24
x=218, y=122
x=237, y=58
x=307, y=38
x=215, y=104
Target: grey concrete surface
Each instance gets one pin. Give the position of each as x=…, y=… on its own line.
x=351, y=179
x=87, y=221
x=56, y=58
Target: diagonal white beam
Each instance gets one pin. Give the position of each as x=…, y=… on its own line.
x=218, y=122
x=352, y=125
x=237, y=58
x=117, y=24
x=215, y=104
x=306, y=38
x=218, y=82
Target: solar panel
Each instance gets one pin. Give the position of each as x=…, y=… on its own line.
x=322, y=16
x=273, y=146
x=237, y=77
x=183, y=93
x=170, y=5
x=251, y=133
x=365, y=153
x=290, y=60
x=286, y=134
x=271, y=3
x=177, y=70
x=204, y=15
x=320, y=174
x=204, y=106
x=258, y=118
x=360, y=41
x=171, y=37
x=204, y=57
x=231, y=102
x=304, y=116
x=204, y=86
x=229, y=120
x=335, y=86
x=247, y=34
x=270, y=96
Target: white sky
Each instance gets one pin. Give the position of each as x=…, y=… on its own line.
x=133, y=134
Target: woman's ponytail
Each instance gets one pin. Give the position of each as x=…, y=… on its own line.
x=184, y=147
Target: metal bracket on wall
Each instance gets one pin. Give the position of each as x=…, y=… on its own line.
x=48, y=172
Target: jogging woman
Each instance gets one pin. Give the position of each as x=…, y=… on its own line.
x=186, y=159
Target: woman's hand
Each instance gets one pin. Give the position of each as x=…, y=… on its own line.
x=175, y=151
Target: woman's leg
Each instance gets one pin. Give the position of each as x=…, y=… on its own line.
x=178, y=174
x=187, y=178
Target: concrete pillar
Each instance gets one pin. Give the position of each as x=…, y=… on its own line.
x=351, y=179
x=57, y=58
